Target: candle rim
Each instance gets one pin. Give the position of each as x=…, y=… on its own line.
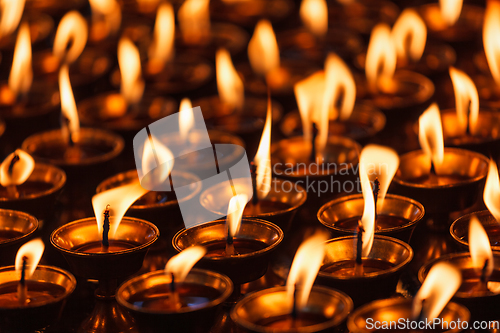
x=18, y=214
x=465, y=219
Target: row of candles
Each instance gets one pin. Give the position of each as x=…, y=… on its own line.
x=238, y=249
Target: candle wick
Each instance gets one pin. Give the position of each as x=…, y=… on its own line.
x=105, y=228
x=484, y=276
x=175, y=295
x=314, y=131
x=467, y=128
x=421, y=313
x=358, y=265
x=376, y=190
x=13, y=161
x=12, y=189
x=22, y=288
x=433, y=169
x=295, y=311
x=229, y=241
x=253, y=173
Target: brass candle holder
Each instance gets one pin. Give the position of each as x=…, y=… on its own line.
x=395, y=308
x=363, y=124
x=457, y=189
x=80, y=244
x=49, y=288
x=268, y=311
x=38, y=194
x=382, y=268
x=201, y=295
x=397, y=218
x=479, y=302
x=459, y=229
x=15, y=229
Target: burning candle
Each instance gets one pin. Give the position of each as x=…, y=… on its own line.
x=106, y=20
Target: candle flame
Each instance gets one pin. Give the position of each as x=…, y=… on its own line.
x=119, y=200
x=466, y=100
x=194, y=21
x=450, y=10
x=340, y=82
x=381, y=163
x=106, y=18
x=235, y=213
x=430, y=135
x=409, y=35
x=181, y=264
x=33, y=251
x=132, y=84
x=492, y=191
x=381, y=58
x=491, y=30
x=71, y=127
x=229, y=83
x=314, y=15
x=162, y=47
x=11, y=13
x=156, y=164
x=305, y=267
x=309, y=93
x=186, y=118
x=438, y=288
x=479, y=247
x=263, y=51
x=263, y=157
x=71, y=37
x=18, y=172
x=21, y=74
x=368, y=217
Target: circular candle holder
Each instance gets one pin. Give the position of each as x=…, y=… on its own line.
x=467, y=28
x=279, y=206
x=80, y=244
x=479, y=301
x=459, y=229
x=299, y=43
x=207, y=290
x=15, y=229
x=383, y=267
x=364, y=123
x=268, y=311
x=38, y=194
x=52, y=286
x=40, y=25
x=392, y=309
x=258, y=238
x=459, y=187
x=397, y=218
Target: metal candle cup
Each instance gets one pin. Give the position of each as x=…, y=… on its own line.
x=15, y=229
x=279, y=206
x=397, y=217
x=266, y=311
x=154, y=287
x=53, y=286
x=263, y=238
x=386, y=261
x=482, y=304
x=459, y=229
x=392, y=309
x=39, y=193
x=460, y=187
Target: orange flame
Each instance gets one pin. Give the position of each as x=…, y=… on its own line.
x=229, y=83
x=479, y=247
x=450, y=10
x=381, y=58
x=186, y=118
x=430, y=135
x=68, y=106
x=71, y=37
x=492, y=191
x=11, y=13
x=106, y=18
x=314, y=15
x=119, y=200
x=368, y=217
x=465, y=95
x=305, y=267
x=21, y=74
x=339, y=79
x=181, y=264
x=194, y=21
x=409, y=27
x=162, y=47
x=263, y=157
x=263, y=51
x=156, y=164
x=21, y=170
x=308, y=93
x=33, y=251
x=381, y=163
x=235, y=213
x=132, y=85
x=491, y=30
x=438, y=288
